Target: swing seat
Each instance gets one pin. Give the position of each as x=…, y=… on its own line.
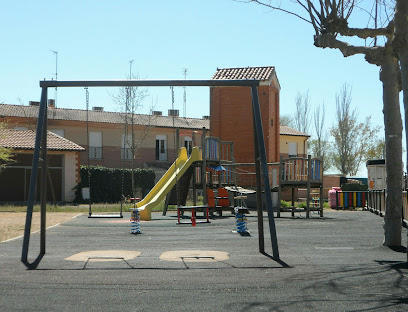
x=105, y=216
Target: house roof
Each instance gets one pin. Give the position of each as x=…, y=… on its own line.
x=285, y=130
x=266, y=74
x=25, y=139
x=259, y=73
x=104, y=117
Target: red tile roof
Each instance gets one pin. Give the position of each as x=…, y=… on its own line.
x=258, y=73
x=285, y=130
x=25, y=139
x=104, y=117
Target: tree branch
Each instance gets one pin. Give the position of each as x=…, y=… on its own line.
x=365, y=33
x=373, y=55
x=276, y=8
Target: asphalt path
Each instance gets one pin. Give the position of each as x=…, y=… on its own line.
x=335, y=263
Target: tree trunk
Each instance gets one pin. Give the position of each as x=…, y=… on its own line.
x=401, y=31
x=401, y=42
x=393, y=147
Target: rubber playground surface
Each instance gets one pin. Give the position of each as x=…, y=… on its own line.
x=335, y=263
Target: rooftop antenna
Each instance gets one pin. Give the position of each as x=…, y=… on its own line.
x=130, y=65
x=185, y=95
x=130, y=88
x=56, y=73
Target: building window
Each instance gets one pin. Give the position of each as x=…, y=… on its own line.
x=126, y=151
x=59, y=132
x=95, y=144
x=161, y=147
x=188, y=144
x=293, y=149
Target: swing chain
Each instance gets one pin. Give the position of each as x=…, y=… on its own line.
x=88, y=152
x=125, y=144
x=175, y=145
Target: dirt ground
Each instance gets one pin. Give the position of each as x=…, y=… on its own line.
x=12, y=223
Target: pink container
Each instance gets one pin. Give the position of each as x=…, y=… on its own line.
x=332, y=196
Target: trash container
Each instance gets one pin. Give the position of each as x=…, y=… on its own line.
x=332, y=196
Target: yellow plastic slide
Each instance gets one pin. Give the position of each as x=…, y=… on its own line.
x=167, y=181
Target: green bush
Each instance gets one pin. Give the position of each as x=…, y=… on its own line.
x=106, y=183
x=354, y=187
x=285, y=204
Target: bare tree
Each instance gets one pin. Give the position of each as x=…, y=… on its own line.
x=302, y=113
x=130, y=100
x=330, y=21
x=286, y=120
x=320, y=146
x=352, y=139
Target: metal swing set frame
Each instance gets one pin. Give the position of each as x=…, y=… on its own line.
x=40, y=154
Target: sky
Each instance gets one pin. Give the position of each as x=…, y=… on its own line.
x=158, y=40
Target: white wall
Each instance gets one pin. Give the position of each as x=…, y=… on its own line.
x=70, y=176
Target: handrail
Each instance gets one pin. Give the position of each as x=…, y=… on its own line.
x=300, y=169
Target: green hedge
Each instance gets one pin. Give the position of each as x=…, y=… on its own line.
x=354, y=187
x=106, y=183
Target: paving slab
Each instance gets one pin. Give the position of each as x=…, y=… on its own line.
x=335, y=263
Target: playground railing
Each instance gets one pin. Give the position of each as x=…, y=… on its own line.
x=216, y=177
x=226, y=151
x=405, y=208
x=212, y=148
x=218, y=150
x=299, y=169
x=376, y=203
x=245, y=176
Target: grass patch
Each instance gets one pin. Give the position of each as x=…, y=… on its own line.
x=301, y=204
x=84, y=208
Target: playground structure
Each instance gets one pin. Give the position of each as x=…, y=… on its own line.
x=40, y=153
x=299, y=173
x=207, y=174
x=167, y=181
x=215, y=173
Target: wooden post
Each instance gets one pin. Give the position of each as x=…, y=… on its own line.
x=194, y=187
x=203, y=168
x=177, y=147
x=280, y=186
x=321, y=188
x=309, y=174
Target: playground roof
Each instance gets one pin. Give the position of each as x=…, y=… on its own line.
x=103, y=117
x=25, y=139
x=285, y=130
